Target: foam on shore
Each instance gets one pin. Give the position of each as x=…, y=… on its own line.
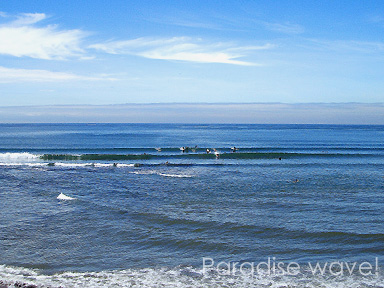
x=178, y=277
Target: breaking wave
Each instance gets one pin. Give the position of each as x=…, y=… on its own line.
x=177, y=277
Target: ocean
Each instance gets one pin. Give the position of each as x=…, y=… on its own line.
x=122, y=205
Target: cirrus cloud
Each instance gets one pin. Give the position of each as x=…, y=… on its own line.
x=21, y=38
x=286, y=28
x=10, y=75
x=28, y=19
x=181, y=49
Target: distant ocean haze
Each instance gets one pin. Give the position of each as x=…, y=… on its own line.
x=251, y=113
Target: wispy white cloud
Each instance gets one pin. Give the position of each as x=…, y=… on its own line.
x=286, y=28
x=11, y=75
x=181, y=49
x=348, y=46
x=28, y=19
x=21, y=38
x=180, y=18
x=24, y=36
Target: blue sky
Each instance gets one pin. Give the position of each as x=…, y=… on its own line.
x=112, y=52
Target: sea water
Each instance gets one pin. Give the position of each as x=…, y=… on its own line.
x=141, y=212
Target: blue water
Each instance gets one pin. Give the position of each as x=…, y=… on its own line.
x=145, y=218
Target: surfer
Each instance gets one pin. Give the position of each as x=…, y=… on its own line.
x=234, y=149
x=208, y=151
x=158, y=149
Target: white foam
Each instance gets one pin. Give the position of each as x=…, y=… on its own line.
x=24, y=164
x=64, y=197
x=12, y=164
x=161, y=174
x=125, y=165
x=60, y=164
x=179, y=277
x=143, y=172
x=174, y=175
x=7, y=157
x=35, y=164
x=103, y=165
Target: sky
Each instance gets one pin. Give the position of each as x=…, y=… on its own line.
x=113, y=52
x=122, y=52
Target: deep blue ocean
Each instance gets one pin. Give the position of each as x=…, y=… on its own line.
x=122, y=205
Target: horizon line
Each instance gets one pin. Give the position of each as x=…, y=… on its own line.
x=193, y=103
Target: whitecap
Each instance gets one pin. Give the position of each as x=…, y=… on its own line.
x=24, y=156
x=125, y=165
x=64, y=197
x=161, y=174
x=72, y=164
x=174, y=175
